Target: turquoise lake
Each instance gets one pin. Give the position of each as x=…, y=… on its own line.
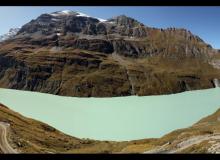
x=119, y=118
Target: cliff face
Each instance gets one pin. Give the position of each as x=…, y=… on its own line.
x=72, y=54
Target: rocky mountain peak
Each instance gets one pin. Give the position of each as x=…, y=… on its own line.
x=64, y=13
x=73, y=54
x=73, y=13
x=123, y=20
x=121, y=34
x=11, y=33
x=61, y=22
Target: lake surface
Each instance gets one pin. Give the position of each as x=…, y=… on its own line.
x=119, y=118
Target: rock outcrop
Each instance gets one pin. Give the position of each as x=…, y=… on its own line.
x=70, y=53
x=11, y=33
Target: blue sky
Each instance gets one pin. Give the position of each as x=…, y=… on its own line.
x=202, y=21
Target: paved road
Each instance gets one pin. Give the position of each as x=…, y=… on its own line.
x=4, y=145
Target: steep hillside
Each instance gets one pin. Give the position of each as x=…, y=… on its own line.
x=202, y=137
x=26, y=135
x=72, y=54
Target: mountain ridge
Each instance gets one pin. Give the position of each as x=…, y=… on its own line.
x=11, y=33
x=74, y=55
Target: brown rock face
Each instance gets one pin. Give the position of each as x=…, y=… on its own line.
x=80, y=56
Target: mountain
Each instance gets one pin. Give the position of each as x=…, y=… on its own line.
x=27, y=135
x=11, y=33
x=72, y=54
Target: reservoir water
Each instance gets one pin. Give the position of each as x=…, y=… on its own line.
x=118, y=118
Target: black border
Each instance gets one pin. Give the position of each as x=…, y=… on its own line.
x=110, y=156
x=110, y=3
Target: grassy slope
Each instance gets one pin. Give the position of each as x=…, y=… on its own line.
x=31, y=136
x=207, y=126
x=76, y=72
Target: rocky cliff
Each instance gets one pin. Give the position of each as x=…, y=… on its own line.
x=11, y=33
x=72, y=54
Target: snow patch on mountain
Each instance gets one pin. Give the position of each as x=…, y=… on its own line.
x=66, y=12
x=60, y=13
x=101, y=20
x=78, y=14
x=11, y=33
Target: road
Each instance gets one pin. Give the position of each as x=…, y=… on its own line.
x=4, y=145
x=215, y=148
x=195, y=140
